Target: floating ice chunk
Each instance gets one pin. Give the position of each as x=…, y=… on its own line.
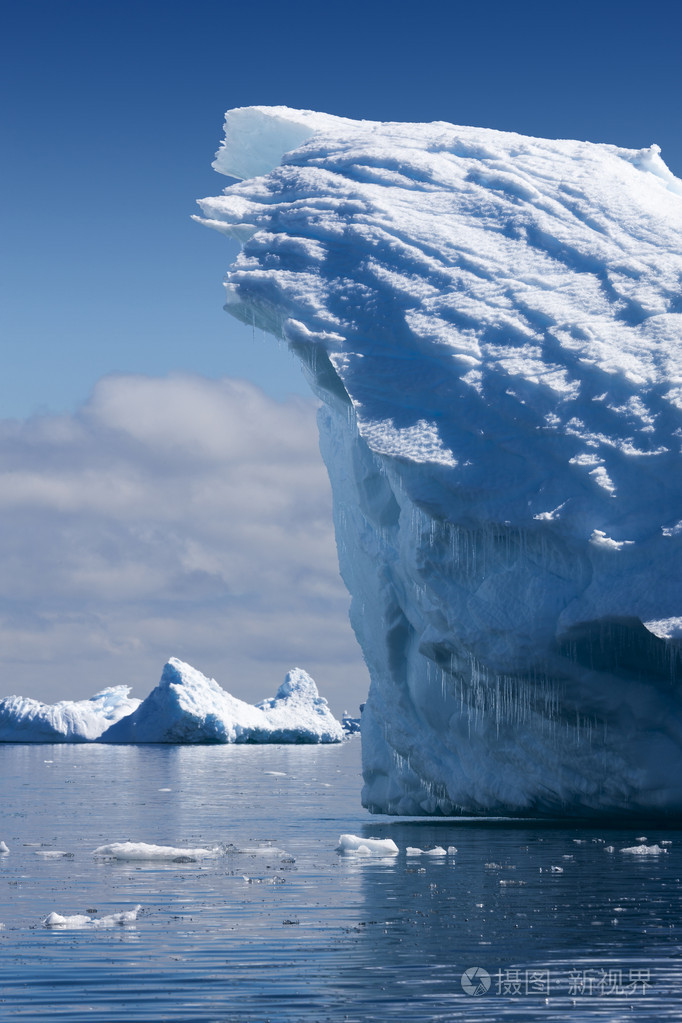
x=25, y=720
x=367, y=846
x=276, y=774
x=188, y=707
x=3, y=847
x=54, y=854
x=81, y=920
x=645, y=850
x=437, y=850
x=145, y=851
x=556, y=870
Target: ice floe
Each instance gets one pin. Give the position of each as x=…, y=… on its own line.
x=354, y=844
x=644, y=850
x=134, y=851
x=80, y=920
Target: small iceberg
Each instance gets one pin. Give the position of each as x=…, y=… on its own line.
x=188, y=707
x=81, y=920
x=4, y=848
x=25, y=720
x=644, y=850
x=367, y=846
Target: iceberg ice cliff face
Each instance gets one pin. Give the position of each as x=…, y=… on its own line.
x=494, y=325
x=188, y=707
x=25, y=720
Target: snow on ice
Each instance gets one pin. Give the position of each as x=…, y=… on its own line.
x=134, y=851
x=25, y=720
x=185, y=707
x=353, y=844
x=493, y=324
x=81, y=920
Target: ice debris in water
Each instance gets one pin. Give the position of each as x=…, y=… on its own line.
x=3, y=847
x=493, y=325
x=146, y=851
x=438, y=850
x=188, y=707
x=81, y=920
x=367, y=846
x=645, y=850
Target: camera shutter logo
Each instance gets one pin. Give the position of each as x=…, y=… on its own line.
x=476, y=981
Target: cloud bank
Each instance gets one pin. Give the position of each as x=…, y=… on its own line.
x=175, y=516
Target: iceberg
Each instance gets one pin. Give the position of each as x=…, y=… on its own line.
x=25, y=720
x=188, y=707
x=493, y=324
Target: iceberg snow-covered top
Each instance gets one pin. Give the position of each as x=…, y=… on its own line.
x=500, y=317
x=475, y=295
x=25, y=720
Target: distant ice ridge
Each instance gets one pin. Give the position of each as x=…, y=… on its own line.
x=185, y=707
x=494, y=325
x=25, y=720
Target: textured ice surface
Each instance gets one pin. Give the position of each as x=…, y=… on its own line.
x=367, y=846
x=493, y=323
x=78, y=920
x=25, y=720
x=187, y=707
x=145, y=851
x=644, y=850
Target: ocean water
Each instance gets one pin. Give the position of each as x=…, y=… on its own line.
x=489, y=933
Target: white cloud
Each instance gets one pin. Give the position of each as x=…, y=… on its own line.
x=170, y=516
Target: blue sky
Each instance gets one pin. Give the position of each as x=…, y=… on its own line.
x=113, y=112
x=111, y=118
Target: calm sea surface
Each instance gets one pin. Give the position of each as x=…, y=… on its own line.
x=492, y=933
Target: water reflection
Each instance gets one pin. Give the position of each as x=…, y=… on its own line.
x=252, y=935
x=549, y=917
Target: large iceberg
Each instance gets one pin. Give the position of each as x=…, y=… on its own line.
x=25, y=720
x=493, y=323
x=188, y=707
